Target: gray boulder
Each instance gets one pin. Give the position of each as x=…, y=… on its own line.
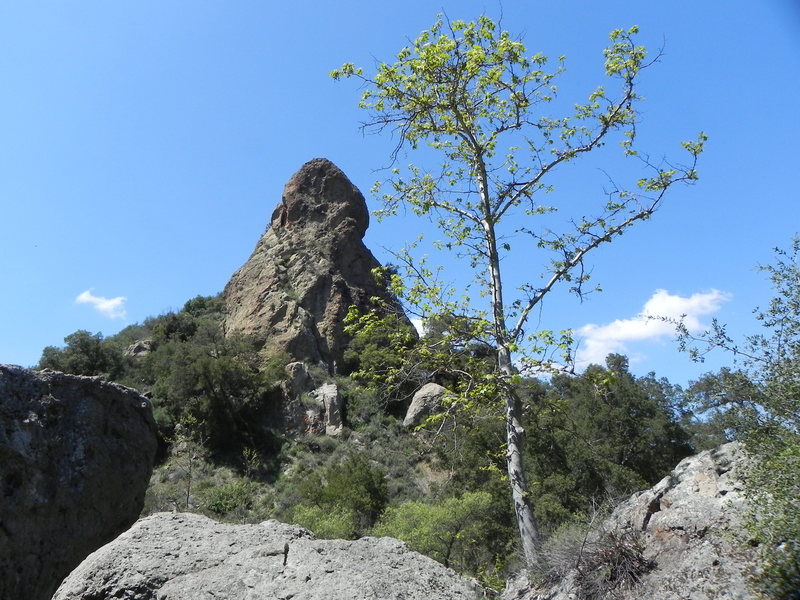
x=328, y=395
x=689, y=531
x=140, y=349
x=300, y=380
x=426, y=401
x=76, y=455
x=308, y=407
x=190, y=557
x=307, y=270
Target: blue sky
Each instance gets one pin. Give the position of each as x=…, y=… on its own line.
x=145, y=144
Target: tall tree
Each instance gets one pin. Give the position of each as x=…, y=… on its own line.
x=470, y=92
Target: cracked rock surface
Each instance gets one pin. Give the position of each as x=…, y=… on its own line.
x=76, y=454
x=307, y=270
x=690, y=529
x=170, y=556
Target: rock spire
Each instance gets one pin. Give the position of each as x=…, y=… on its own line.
x=307, y=269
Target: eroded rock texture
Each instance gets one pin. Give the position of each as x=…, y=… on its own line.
x=690, y=529
x=309, y=267
x=76, y=455
x=190, y=557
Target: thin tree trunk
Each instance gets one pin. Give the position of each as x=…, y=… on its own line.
x=526, y=522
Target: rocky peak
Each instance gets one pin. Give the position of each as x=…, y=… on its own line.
x=321, y=194
x=307, y=269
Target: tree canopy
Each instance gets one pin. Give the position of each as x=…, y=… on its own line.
x=472, y=93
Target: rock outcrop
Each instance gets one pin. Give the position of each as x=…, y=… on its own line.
x=190, y=557
x=328, y=396
x=139, y=349
x=76, y=455
x=688, y=528
x=308, y=407
x=306, y=271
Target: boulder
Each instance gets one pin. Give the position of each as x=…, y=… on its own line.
x=294, y=418
x=140, y=348
x=76, y=455
x=170, y=556
x=328, y=395
x=306, y=271
x=300, y=380
x=426, y=401
x=684, y=536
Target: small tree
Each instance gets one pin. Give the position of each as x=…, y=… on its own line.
x=471, y=93
x=452, y=530
x=84, y=354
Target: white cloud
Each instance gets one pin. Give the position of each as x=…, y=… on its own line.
x=113, y=308
x=597, y=341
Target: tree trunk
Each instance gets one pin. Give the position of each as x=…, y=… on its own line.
x=526, y=521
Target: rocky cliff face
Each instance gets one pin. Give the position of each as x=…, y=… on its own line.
x=189, y=557
x=309, y=267
x=76, y=455
x=679, y=539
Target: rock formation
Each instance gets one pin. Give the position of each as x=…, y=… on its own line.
x=688, y=527
x=328, y=396
x=190, y=557
x=76, y=455
x=426, y=401
x=306, y=271
x=139, y=349
x=309, y=407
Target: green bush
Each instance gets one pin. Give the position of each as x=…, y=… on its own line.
x=353, y=486
x=85, y=354
x=774, y=492
x=328, y=522
x=234, y=501
x=601, y=435
x=452, y=531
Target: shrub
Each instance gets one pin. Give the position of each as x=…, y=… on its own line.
x=774, y=492
x=234, y=501
x=84, y=354
x=352, y=489
x=613, y=562
x=329, y=522
x=452, y=531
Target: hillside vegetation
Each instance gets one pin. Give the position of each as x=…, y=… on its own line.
x=593, y=438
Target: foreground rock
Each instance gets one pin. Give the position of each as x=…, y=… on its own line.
x=309, y=267
x=190, y=557
x=679, y=540
x=76, y=455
